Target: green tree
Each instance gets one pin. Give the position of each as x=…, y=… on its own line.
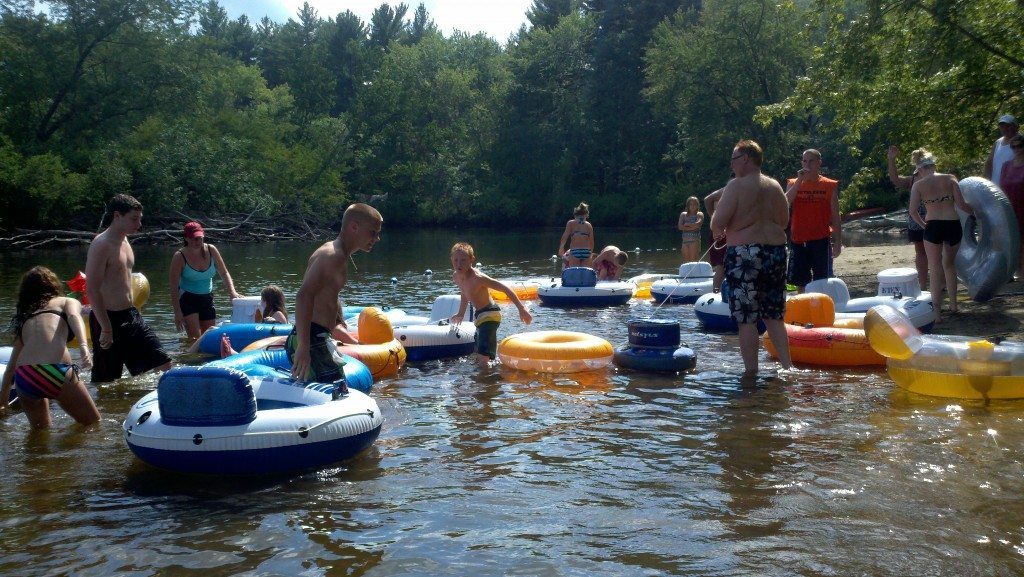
x=423, y=129
x=933, y=73
x=708, y=71
x=545, y=125
x=106, y=64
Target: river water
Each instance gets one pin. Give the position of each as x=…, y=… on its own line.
x=499, y=472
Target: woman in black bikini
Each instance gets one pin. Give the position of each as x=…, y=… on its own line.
x=40, y=366
x=940, y=195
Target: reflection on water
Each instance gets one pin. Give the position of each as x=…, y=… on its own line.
x=498, y=472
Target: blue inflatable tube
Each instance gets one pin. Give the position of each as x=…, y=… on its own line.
x=241, y=335
x=272, y=363
x=657, y=360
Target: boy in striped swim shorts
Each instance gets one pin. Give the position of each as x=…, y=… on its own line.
x=473, y=286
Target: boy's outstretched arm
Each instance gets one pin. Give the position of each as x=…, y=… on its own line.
x=524, y=314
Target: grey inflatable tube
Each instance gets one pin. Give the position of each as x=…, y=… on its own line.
x=989, y=252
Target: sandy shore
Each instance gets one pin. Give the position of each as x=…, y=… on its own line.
x=1000, y=317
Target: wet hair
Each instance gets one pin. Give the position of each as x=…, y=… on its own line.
x=466, y=248
x=694, y=200
x=122, y=204
x=582, y=210
x=273, y=300
x=622, y=257
x=752, y=150
x=37, y=287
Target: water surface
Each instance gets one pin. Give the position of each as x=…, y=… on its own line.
x=499, y=472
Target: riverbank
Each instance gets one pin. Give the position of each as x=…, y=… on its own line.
x=1003, y=316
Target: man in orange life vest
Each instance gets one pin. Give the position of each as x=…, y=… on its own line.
x=815, y=228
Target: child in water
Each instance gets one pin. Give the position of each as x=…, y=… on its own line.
x=690, y=222
x=580, y=235
x=609, y=262
x=272, y=308
x=473, y=286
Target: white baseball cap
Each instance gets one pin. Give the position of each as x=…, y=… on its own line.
x=1007, y=119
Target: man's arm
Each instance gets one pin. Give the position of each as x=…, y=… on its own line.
x=304, y=316
x=724, y=210
x=837, y=224
x=988, y=162
x=795, y=187
x=95, y=275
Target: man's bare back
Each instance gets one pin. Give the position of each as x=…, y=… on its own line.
x=752, y=210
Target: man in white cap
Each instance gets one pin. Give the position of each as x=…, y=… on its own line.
x=1001, y=151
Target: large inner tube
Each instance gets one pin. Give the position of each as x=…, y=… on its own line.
x=990, y=249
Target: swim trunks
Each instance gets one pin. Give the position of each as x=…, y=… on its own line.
x=755, y=283
x=135, y=346
x=325, y=362
x=197, y=304
x=811, y=260
x=611, y=270
x=42, y=381
x=579, y=253
x=487, y=321
x=943, y=231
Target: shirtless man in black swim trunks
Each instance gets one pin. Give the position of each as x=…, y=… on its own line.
x=120, y=336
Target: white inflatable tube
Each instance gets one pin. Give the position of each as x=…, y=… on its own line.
x=990, y=249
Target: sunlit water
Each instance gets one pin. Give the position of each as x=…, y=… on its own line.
x=498, y=472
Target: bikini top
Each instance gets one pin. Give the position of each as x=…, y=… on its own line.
x=580, y=232
x=63, y=315
x=934, y=200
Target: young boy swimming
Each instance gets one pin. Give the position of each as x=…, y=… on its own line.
x=473, y=286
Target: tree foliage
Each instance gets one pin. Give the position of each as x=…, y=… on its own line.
x=629, y=106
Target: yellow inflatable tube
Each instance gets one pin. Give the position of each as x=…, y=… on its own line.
x=555, y=352
x=140, y=295
x=525, y=290
x=945, y=366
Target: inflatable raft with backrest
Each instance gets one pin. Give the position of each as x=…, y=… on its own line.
x=217, y=420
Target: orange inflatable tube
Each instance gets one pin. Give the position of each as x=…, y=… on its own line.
x=814, y=341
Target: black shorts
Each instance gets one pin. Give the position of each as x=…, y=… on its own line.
x=135, y=346
x=193, y=304
x=811, y=260
x=915, y=234
x=943, y=231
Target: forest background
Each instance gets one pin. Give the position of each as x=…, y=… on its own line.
x=631, y=106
